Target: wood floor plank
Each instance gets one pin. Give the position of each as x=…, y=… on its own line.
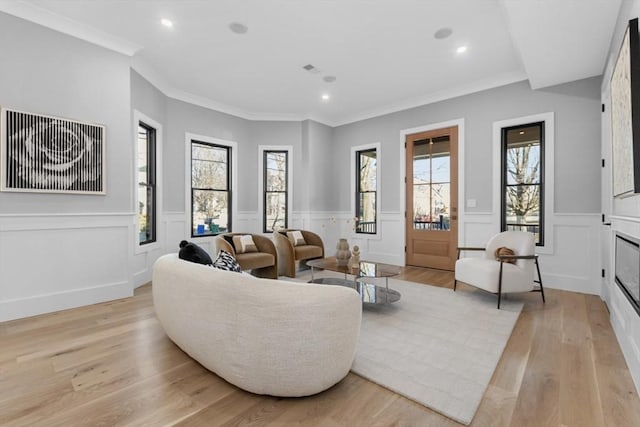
x=111, y=364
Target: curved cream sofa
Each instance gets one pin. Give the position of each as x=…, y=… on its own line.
x=265, y=336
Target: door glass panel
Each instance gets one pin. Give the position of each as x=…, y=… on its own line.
x=432, y=184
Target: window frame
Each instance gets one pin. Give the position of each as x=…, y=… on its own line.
x=541, y=184
x=232, y=179
x=354, y=190
x=264, y=151
x=549, y=149
x=150, y=182
x=359, y=192
x=139, y=117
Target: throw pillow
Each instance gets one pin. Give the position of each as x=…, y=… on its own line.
x=296, y=238
x=243, y=244
x=505, y=251
x=226, y=261
x=194, y=253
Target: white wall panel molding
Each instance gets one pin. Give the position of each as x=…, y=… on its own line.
x=82, y=259
x=574, y=265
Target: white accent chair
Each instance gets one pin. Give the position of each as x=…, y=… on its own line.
x=499, y=275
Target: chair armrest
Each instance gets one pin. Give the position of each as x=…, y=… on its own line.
x=283, y=244
x=506, y=257
x=221, y=244
x=312, y=238
x=264, y=244
x=468, y=248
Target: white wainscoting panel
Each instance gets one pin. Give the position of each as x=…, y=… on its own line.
x=54, y=262
x=575, y=263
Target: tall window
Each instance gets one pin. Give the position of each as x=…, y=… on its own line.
x=523, y=179
x=366, y=191
x=275, y=168
x=146, y=175
x=210, y=188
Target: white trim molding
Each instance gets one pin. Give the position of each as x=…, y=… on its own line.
x=289, y=150
x=461, y=177
x=187, y=181
x=137, y=118
x=46, y=18
x=549, y=150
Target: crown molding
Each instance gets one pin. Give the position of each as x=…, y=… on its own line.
x=68, y=26
x=166, y=88
x=141, y=67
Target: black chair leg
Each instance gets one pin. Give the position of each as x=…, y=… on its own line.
x=455, y=282
x=500, y=285
x=540, y=281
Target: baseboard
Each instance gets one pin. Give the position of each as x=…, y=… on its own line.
x=48, y=303
x=583, y=285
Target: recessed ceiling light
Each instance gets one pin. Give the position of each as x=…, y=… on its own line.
x=166, y=22
x=461, y=49
x=329, y=79
x=238, y=27
x=325, y=96
x=443, y=33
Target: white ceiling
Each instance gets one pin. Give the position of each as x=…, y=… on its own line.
x=382, y=52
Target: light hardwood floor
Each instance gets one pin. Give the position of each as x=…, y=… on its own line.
x=111, y=364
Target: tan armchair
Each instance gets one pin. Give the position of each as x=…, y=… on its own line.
x=288, y=254
x=263, y=263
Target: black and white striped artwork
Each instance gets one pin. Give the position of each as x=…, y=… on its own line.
x=51, y=155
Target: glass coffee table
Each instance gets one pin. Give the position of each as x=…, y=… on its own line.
x=362, y=274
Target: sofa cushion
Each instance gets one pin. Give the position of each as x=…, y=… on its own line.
x=194, y=253
x=296, y=238
x=251, y=260
x=307, y=252
x=226, y=261
x=244, y=243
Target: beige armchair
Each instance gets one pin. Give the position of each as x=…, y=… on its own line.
x=288, y=254
x=263, y=263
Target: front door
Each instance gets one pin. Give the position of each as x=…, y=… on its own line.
x=432, y=198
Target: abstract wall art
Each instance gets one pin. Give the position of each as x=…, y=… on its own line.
x=47, y=154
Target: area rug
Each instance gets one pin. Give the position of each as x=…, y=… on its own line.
x=435, y=346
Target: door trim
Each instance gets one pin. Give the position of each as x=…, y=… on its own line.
x=461, y=182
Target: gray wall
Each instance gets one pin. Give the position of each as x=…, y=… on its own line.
x=183, y=117
x=49, y=73
x=320, y=168
x=272, y=133
x=577, y=141
x=147, y=99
